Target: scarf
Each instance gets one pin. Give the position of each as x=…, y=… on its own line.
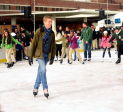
x=46, y=41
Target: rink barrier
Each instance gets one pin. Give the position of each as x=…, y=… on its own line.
x=80, y=50
x=2, y=56
x=2, y=60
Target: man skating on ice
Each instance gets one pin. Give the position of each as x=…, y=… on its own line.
x=43, y=48
x=119, y=37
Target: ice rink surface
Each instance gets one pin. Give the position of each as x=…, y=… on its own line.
x=93, y=87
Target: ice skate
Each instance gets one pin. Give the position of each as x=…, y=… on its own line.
x=118, y=61
x=35, y=92
x=8, y=65
x=61, y=61
x=89, y=59
x=70, y=62
x=83, y=62
x=85, y=59
x=12, y=64
x=46, y=95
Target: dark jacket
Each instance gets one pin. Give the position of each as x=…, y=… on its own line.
x=26, y=39
x=118, y=37
x=86, y=34
x=36, y=49
x=94, y=36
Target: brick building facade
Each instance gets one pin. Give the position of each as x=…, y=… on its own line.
x=10, y=7
x=58, y=5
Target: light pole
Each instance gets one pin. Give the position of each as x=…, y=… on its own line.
x=107, y=11
x=34, y=16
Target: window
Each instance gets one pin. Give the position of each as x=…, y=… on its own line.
x=53, y=9
x=1, y=6
x=22, y=8
x=57, y=9
x=18, y=8
x=45, y=9
x=36, y=8
x=61, y=9
x=41, y=8
x=5, y=7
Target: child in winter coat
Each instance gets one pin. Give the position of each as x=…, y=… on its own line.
x=74, y=46
x=59, y=35
x=8, y=42
x=65, y=45
x=105, y=44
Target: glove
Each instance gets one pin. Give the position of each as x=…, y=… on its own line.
x=51, y=61
x=30, y=60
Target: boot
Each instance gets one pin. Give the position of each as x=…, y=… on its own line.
x=35, y=92
x=12, y=64
x=30, y=61
x=83, y=62
x=65, y=56
x=118, y=61
x=46, y=95
x=61, y=61
x=70, y=62
x=85, y=59
x=8, y=65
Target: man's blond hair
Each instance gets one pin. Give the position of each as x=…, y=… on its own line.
x=46, y=17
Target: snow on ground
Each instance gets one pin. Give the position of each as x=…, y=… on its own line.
x=94, y=87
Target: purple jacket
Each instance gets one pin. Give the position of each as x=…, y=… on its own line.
x=73, y=42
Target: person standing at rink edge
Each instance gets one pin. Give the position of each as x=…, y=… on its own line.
x=86, y=36
x=43, y=48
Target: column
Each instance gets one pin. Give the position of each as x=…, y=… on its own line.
x=54, y=24
x=85, y=19
x=13, y=20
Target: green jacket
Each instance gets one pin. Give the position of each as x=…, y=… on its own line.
x=63, y=39
x=118, y=37
x=121, y=33
x=28, y=35
x=36, y=49
x=86, y=34
x=8, y=46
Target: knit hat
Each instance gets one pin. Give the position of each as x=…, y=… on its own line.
x=105, y=32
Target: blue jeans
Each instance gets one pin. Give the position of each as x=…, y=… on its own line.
x=87, y=49
x=41, y=75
